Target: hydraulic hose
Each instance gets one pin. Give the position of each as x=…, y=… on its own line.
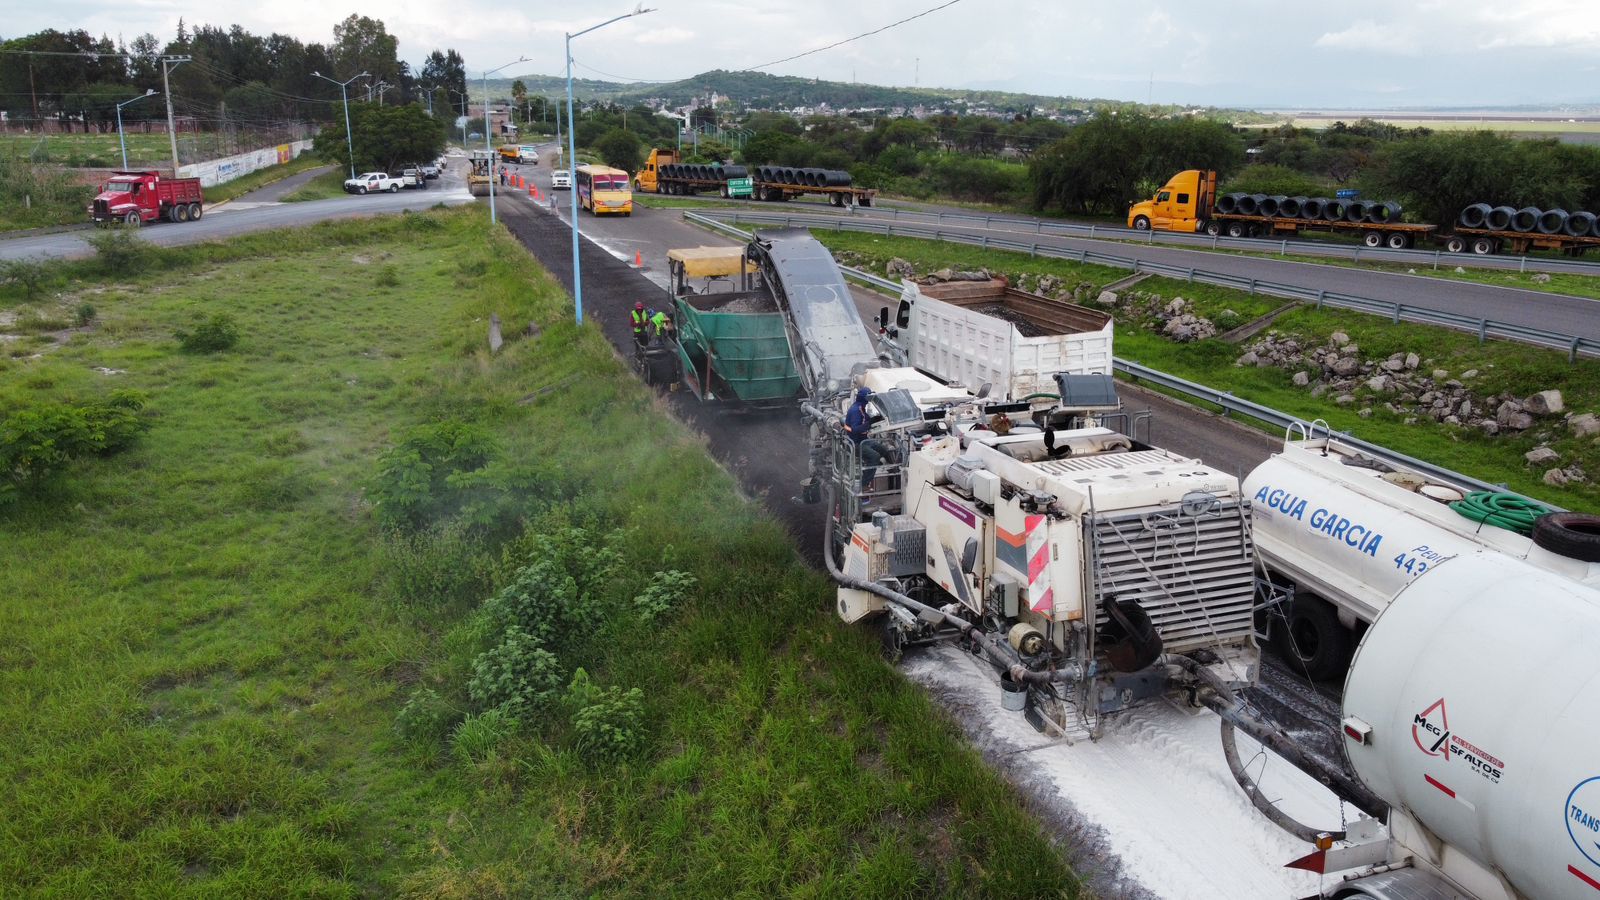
x=1502, y=510
x=1220, y=698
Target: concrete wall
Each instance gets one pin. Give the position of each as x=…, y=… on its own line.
x=213, y=172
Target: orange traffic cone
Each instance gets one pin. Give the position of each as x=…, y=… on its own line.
x=638, y=260
x=532, y=192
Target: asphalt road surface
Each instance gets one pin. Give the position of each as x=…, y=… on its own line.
x=1534, y=309
x=251, y=212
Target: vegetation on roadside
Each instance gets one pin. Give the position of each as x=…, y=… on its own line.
x=260, y=178
x=1500, y=366
x=365, y=611
x=38, y=195
x=321, y=187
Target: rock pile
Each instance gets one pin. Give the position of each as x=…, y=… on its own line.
x=1175, y=319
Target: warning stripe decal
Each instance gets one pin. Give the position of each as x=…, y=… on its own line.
x=1584, y=878
x=1439, y=786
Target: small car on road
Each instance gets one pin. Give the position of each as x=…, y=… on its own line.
x=372, y=182
x=560, y=179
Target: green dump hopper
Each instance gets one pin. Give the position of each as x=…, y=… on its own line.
x=731, y=339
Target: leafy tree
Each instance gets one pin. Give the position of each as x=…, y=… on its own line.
x=619, y=149
x=1104, y=163
x=387, y=138
x=362, y=44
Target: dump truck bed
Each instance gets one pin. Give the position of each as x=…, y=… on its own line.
x=734, y=346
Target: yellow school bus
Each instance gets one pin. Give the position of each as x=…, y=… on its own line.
x=603, y=190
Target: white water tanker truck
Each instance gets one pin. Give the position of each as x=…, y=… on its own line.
x=1473, y=708
x=1348, y=531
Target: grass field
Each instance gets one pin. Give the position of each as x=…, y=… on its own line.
x=220, y=677
x=1502, y=366
x=102, y=150
x=328, y=184
x=1553, y=282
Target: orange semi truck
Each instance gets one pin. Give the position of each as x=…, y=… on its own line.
x=1189, y=202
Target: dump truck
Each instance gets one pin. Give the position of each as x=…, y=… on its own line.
x=134, y=198
x=988, y=332
x=780, y=183
x=663, y=174
x=731, y=338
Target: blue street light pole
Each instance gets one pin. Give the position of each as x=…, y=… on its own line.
x=123, y=141
x=487, y=137
x=349, y=142
x=572, y=160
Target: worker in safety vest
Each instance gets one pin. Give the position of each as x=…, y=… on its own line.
x=661, y=326
x=640, y=318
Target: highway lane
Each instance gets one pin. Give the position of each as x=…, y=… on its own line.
x=1536, y=309
x=245, y=214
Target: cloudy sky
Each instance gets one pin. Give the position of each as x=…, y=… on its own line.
x=1346, y=54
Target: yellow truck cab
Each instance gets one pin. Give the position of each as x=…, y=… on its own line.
x=644, y=181
x=1183, y=203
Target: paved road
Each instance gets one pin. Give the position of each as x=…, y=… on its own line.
x=245, y=215
x=1535, y=309
x=277, y=190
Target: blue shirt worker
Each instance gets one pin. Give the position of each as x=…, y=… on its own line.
x=858, y=424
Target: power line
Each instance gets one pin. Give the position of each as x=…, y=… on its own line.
x=929, y=11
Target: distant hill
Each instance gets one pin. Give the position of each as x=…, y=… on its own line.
x=758, y=90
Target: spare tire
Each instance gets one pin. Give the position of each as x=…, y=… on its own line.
x=1579, y=224
x=1356, y=211
x=1312, y=208
x=1474, y=215
x=1525, y=219
x=1291, y=206
x=1335, y=210
x=1383, y=213
x=1552, y=221
x=1569, y=534
x=1228, y=203
x=1250, y=204
x=1499, y=218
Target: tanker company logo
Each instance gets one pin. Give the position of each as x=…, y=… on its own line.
x=1583, y=818
x=1430, y=730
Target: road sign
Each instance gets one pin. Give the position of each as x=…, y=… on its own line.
x=1347, y=194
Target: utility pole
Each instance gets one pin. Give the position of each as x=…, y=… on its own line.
x=168, y=63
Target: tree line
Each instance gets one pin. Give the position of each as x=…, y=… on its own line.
x=233, y=78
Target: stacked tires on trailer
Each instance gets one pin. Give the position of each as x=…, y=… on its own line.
x=1484, y=229
x=778, y=183
x=687, y=179
x=1261, y=215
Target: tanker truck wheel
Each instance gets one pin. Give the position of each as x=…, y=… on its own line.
x=1313, y=641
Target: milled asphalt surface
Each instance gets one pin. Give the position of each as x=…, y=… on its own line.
x=247, y=214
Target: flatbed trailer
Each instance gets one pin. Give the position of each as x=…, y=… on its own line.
x=733, y=188
x=837, y=196
x=1394, y=235
x=1484, y=242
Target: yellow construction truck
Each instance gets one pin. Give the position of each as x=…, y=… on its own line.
x=480, y=170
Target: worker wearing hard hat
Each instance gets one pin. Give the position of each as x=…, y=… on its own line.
x=660, y=326
x=858, y=425
x=640, y=318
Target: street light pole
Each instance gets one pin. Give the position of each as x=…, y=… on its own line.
x=572, y=160
x=486, y=135
x=465, y=114
x=123, y=141
x=349, y=141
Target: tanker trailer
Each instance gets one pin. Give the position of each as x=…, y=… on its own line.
x=1348, y=531
x=1473, y=708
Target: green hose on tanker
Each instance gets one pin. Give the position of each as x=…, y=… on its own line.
x=1512, y=512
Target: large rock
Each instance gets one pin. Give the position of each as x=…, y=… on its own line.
x=899, y=268
x=1555, y=478
x=1109, y=298
x=945, y=274
x=1344, y=399
x=1380, y=383
x=1541, y=278
x=1413, y=360
x=1544, y=403
x=1301, y=379
x=1339, y=338
x=1395, y=364
x=1584, y=425
x=1538, y=456
x=1346, y=366
x=1248, y=359
x=1489, y=426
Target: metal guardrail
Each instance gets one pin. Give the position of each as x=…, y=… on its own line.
x=1225, y=400
x=1396, y=312
x=1231, y=404
x=1280, y=246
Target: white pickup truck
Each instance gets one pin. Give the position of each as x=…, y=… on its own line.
x=372, y=182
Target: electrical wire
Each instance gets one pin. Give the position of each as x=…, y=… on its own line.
x=929, y=11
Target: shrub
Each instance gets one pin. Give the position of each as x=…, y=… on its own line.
x=37, y=442
x=27, y=275
x=84, y=314
x=211, y=334
x=120, y=251
x=610, y=726
x=421, y=478
x=556, y=593
x=388, y=276
x=426, y=717
x=478, y=738
x=663, y=594
x=518, y=676
x=436, y=567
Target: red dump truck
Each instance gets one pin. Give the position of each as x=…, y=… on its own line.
x=134, y=198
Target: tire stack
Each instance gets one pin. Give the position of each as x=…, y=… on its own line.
x=1311, y=209
x=1530, y=220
